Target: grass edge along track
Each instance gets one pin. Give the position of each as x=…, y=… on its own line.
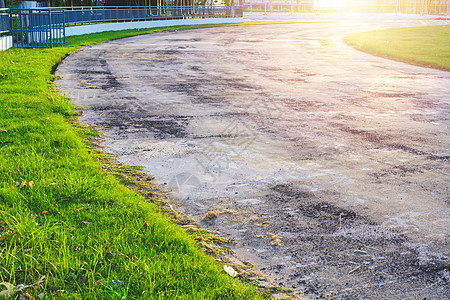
x=426, y=46
x=64, y=217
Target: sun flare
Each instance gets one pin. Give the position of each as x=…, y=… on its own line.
x=331, y=5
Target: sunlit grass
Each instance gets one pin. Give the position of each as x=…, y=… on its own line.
x=63, y=216
x=427, y=46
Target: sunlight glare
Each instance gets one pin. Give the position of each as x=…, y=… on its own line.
x=329, y=4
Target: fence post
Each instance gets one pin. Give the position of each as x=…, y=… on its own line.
x=64, y=24
x=51, y=27
x=11, y=25
x=21, y=28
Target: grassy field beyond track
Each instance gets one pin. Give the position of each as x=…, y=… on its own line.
x=64, y=217
x=427, y=46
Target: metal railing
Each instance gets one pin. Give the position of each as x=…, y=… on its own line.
x=266, y=7
x=75, y=16
x=4, y=21
x=43, y=27
x=413, y=7
x=37, y=27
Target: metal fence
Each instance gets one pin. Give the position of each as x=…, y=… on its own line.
x=414, y=7
x=44, y=27
x=305, y=6
x=37, y=27
x=4, y=21
x=75, y=16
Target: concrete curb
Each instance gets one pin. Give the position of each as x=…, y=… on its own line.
x=87, y=29
x=6, y=42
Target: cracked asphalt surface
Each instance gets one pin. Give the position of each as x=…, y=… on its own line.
x=329, y=167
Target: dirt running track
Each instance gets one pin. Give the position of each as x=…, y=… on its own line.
x=329, y=167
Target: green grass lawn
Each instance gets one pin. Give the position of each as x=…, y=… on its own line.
x=63, y=216
x=427, y=46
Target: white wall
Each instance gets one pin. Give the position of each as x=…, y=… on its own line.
x=87, y=29
x=6, y=42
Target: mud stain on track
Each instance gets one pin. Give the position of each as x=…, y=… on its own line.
x=330, y=166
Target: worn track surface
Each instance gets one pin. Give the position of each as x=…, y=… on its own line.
x=328, y=167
